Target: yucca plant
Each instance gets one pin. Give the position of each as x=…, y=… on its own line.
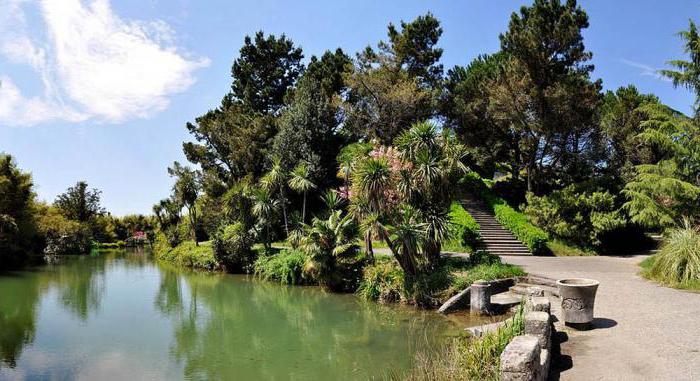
x=678, y=260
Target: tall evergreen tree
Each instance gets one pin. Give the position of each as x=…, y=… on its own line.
x=687, y=72
x=266, y=69
x=545, y=94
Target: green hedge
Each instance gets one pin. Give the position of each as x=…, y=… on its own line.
x=465, y=230
x=533, y=237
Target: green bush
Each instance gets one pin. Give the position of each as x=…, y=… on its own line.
x=464, y=230
x=233, y=248
x=576, y=214
x=186, y=254
x=286, y=267
x=382, y=281
x=677, y=263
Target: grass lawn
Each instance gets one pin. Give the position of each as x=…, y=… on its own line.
x=562, y=249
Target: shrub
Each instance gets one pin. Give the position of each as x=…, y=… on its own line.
x=382, y=281
x=233, y=248
x=576, y=214
x=464, y=230
x=187, y=254
x=678, y=261
x=286, y=267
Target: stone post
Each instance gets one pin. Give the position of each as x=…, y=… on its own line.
x=520, y=361
x=480, y=298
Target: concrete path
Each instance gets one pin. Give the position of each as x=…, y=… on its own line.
x=642, y=331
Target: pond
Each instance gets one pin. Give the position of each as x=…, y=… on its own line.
x=120, y=315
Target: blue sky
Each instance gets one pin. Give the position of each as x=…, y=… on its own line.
x=100, y=91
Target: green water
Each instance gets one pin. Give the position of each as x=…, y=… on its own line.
x=122, y=316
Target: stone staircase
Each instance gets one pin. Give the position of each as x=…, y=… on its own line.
x=495, y=239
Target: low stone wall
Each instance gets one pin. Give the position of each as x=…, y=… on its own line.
x=527, y=357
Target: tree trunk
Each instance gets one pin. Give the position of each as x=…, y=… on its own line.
x=303, y=210
x=368, y=246
x=284, y=210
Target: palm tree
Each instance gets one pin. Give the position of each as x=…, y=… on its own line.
x=370, y=225
x=265, y=208
x=327, y=242
x=277, y=177
x=300, y=181
x=371, y=179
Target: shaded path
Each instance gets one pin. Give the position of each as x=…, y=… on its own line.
x=643, y=331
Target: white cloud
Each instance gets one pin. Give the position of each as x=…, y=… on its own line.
x=92, y=63
x=645, y=70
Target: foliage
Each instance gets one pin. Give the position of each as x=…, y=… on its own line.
x=382, y=281
x=677, y=263
x=307, y=131
x=622, y=118
x=576, y=214
x=688, y=71
x=79, y=203
x=232, y=247
x=286, y=267
x=393, y=88
x=386, y=282
x=265, y=208
x=465, y=106
x=185, y=192
x=332, y=250
x=668, y=188
x=62, y=236
x=17, y=221
x=186, y=254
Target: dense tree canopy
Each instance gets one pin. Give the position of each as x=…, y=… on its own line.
x=80, y=203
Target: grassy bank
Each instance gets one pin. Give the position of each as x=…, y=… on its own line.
x=466, y=358
x=385, y=282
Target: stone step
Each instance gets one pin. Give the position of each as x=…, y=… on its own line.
x=506, y=299
x=525, y=289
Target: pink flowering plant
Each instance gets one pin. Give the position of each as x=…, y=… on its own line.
x=401, y=194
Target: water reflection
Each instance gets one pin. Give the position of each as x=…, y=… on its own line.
x=117, y=316
x=233, y=327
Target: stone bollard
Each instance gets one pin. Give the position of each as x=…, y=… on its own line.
x=520, y=361
x=540, y=303
x=537, y=324
x=480, y=298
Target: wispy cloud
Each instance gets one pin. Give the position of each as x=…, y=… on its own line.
x=645, y=70
x=92, y=63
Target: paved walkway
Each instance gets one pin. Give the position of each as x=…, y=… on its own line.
x=642, y=331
